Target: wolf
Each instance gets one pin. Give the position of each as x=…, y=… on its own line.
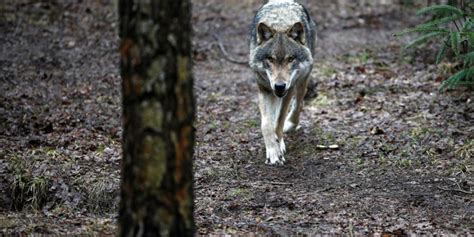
x=282, y=40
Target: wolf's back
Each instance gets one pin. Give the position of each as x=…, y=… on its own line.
x=282, y=15
x=276, y=1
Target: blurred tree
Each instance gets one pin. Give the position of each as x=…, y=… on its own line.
x=158, y=114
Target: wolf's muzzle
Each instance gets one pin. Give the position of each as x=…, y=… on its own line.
x=280, y=89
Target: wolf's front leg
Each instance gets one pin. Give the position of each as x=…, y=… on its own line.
x=273, y=111
x=293, y=117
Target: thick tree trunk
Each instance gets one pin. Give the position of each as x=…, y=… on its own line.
x=158, y=113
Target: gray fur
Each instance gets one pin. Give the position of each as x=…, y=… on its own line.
x=281, y=15
x=282, y=39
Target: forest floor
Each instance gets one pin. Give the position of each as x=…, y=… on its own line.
x=404, y=158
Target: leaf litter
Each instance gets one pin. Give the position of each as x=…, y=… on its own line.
x=380, y=150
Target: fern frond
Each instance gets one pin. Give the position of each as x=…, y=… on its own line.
x=443, y=20
x=453, y=80
x=440, y=9
x=468, y=59
x=424, y=38
x=455, y=41
x=431, y=26
x=441, y=53
x=470, y=39
x=422, y=30
x=470, y=74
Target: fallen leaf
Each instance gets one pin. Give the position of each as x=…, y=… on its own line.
x=376, y=131
x=334, y=147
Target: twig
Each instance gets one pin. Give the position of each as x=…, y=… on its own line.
x=273, y=182
x=456, y=24
x=463, y=8
x=447, y=44
x=278, y=183
x=459, y=189
x=225, y=54
x=465, y=43
x=455, y=190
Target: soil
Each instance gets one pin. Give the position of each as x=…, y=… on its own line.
x=380, y=148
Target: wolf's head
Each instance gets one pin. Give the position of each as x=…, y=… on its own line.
x=281, y=56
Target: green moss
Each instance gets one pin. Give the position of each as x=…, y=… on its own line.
x=214, y=125
x=183, y=69
x=100, y=149
x=327, y=71
x=240, y=193
x=321, y=101
x=164, y=217
x=101, y=194
x=360, y=58
x=327, y=138
x=213, y=97
x=155, y=161
x=226, y=125
x=251, y=123
x=355, y=141
x=155, y=71
x=403, y=163
x=466, y=150
x=419, y=132
x=151, y=114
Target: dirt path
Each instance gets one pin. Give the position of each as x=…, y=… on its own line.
x=397, y=135
x=404, y=160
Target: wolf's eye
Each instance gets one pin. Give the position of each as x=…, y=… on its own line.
x=270, y=59
x=291, y=59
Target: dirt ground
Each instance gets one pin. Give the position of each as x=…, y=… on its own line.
x=404, y=159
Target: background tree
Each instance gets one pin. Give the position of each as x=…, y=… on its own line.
x=158, y=113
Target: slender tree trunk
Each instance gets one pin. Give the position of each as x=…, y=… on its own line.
x=158, y=113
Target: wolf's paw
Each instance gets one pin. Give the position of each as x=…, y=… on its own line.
x=274, y=157
x=289, y=126
x=275, y=153
x=282, y=146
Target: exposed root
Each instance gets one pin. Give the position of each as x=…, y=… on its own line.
x=225, y=54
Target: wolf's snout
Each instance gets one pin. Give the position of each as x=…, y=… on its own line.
x=280, y=89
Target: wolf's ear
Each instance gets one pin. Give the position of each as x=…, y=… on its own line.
x=264, y=33
x=297, y=33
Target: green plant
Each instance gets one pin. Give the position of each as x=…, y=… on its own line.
x=101, y=194
x=27, y=189
x=453, y=26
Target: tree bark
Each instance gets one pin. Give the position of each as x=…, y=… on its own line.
x=158, y=114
